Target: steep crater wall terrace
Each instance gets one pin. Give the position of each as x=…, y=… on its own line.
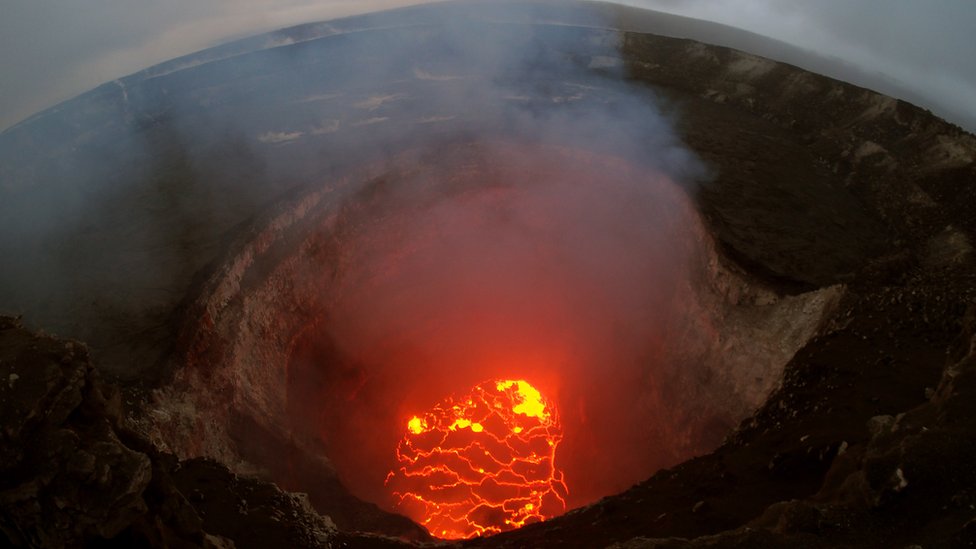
x=240, y=393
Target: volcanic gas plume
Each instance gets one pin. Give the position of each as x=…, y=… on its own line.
x=553, y=268
x=481, y=463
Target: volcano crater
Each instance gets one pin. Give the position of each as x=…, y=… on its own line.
x=746, y=294
x=343, y=314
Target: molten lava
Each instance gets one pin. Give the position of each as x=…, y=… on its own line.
x=482, y=463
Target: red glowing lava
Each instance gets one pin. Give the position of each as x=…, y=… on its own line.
x=482, y=463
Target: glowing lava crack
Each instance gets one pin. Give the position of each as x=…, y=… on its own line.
x=482, y=463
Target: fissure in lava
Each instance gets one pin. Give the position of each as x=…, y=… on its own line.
x=481, y=463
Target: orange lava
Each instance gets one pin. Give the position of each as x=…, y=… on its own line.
x=482, y=463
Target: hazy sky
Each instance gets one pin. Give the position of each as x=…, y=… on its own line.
x=51, y=50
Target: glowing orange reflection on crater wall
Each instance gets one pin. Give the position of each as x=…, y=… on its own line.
x=556, y=266
x=481, y=463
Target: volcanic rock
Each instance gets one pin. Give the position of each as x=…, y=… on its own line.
x=73, y=475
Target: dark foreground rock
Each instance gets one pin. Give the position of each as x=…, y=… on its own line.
x=909, y=484
x=72, y=475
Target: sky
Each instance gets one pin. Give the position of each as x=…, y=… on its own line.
x=52, y=50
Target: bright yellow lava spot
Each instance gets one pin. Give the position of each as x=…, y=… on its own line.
x=416, y=425
x=530, y=399
x=462, y=423
x=490, y=466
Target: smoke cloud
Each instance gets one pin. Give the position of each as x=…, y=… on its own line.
x=552, y=268
x=550, y=246
x=51, y=51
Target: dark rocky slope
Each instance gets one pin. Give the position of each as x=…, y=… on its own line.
x=74, y=475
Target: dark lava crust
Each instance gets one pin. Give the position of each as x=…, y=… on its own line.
x=869, y=442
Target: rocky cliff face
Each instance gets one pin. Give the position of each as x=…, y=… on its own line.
x=68, y=475
x=234, y=398
x=73, y=475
